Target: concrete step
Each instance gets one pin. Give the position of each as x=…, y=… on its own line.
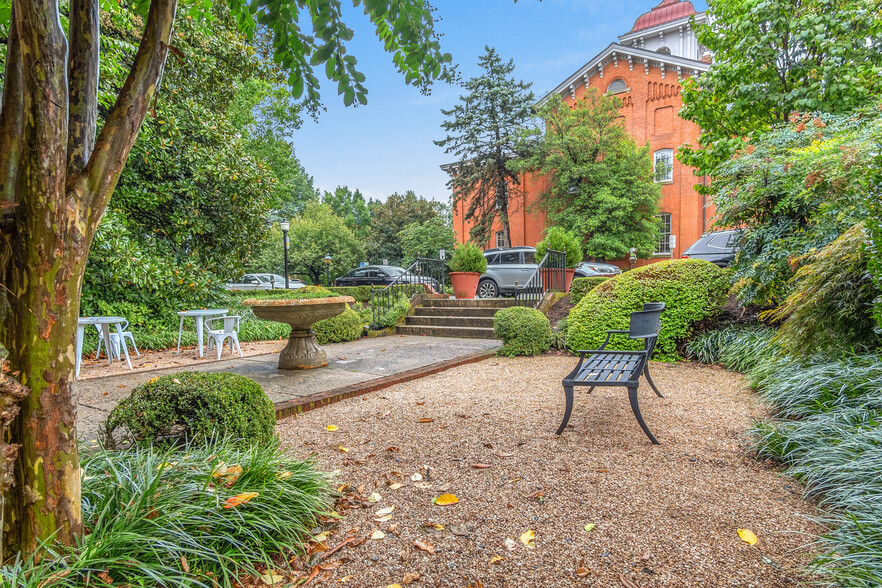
x=464, y=332
x=477, y=302
x=488, y=311
x=450, y=321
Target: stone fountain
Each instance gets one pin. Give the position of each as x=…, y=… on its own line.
x=302, y=352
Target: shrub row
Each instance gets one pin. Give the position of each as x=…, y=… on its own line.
x=582, y=286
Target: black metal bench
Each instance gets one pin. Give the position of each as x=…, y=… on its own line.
x=609, y=367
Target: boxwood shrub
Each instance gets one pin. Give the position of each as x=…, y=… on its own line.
x=692, y=290
x=193, y=407
x=361, y=294
x=346, y=326
x=582, y=286
x=524, y=331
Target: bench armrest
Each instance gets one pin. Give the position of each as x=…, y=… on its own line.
x=625, y=331
x=584, y=352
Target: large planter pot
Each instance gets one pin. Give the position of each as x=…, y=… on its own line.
x=302, y=352
x=569, y=277
x=465, y=284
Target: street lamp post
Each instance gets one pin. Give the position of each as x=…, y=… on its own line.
x=633, y=258
x=285, y=226
x=328, y=261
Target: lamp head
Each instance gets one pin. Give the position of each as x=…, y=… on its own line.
x=328, y=258
x=285, y=225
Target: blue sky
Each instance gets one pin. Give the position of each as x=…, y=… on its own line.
x=387, y=146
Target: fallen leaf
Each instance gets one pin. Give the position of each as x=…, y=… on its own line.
x=445, y=500
x=583, y=571
x=423, y=546
x=322, y=537
x=378, y=534
x=505, y=454
x=426, y=421
x=346, y=578
x=748, y=536
x=343, y=449
x=394, y=586
x=387, y=413
x=529, y=539
x=234, y=501
x=330, y=428
x=589, y=527
x=384, y=511
x=410, y=577
x=496, y=559
x=284, y=475
x=416, y=477
x=481, y=466
x=392, y=449
x=436, y=526
x=394, y=486
x=420, y=403
x=510, y=544
x=459, y=530
x=184, y=565
x=105, y=577
x=423, y=485
x=537, y=494
x=384, y=518
x=374, y=497
x=626, y=582
x=270, y=577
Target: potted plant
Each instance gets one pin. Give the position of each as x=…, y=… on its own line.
x=466, y=266
x=559, y=239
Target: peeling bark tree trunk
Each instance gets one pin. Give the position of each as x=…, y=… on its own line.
x=54, y=188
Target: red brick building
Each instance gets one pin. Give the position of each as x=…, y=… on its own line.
x=644, y=68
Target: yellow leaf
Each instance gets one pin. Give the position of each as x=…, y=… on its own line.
x=384, y=511
x=394, y=486
x=385, y=518
x=331, y=428
x=344, y=449
x=748, y=536
x=438, y=527
x=446, y=499
x=529, y=539
x=394, y=586
x=589, y=527
x=378, y=535
x=271, y=578
x=374, y=497
x=234, y=501
x=284, y=475
x=496, y=559
x=322, y=537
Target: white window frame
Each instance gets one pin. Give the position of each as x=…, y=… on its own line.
x=665, y=174
x=664, y=236
x=609, y=89
x=500, y=239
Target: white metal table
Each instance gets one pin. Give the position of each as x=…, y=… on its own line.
x=199, y=316
x=103, y=323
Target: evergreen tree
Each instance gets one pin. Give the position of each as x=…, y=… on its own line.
x=601, y=185
x=493, y=126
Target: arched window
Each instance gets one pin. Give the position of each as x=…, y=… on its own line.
x=617, y=86
x=663, y=49
x=664, y=165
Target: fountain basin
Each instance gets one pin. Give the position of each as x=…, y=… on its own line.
x=302, y=352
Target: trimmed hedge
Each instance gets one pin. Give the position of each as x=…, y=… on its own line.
x=346, y=326
x=194, y=407
x=524, y=331
x=691, y=289
x=361, y=294
x=582, y=286
x=282, y=294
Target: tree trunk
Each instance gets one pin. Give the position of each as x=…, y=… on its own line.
x=502, y=208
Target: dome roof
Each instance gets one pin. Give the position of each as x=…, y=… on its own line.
x=667, y=11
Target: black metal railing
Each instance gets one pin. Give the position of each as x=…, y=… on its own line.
x=550, y=274
x=423, y=275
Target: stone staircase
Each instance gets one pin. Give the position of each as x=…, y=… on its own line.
x=472, y=319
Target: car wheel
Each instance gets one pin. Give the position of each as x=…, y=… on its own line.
x=487, y=289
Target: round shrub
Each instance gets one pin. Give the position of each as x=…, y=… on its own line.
x=559, y=239
x=692, y=290
x=346, y=326
x=194, y=407
x=524, y=331
x=468, y=257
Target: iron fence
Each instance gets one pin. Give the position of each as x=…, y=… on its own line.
x=423, y=275
x=550, y=274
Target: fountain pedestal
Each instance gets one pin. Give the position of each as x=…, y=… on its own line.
x=302, y=352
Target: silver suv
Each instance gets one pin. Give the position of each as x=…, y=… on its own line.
x=504, y=268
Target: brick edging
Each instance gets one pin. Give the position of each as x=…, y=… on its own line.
x=290, y=407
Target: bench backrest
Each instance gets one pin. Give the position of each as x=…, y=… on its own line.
x=645, y=324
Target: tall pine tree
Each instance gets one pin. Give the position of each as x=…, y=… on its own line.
x=493, y=126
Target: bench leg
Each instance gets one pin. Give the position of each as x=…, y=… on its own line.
x=569, y=392
x=632, y=396
x=651, y=383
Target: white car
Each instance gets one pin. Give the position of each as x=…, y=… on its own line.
x=262, y=282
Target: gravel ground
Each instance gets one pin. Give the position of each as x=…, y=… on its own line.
x=151, y=360
x=663, y=515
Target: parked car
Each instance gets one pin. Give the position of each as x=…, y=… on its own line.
x=383, y=275
x=505, y=266
x=262, y=282
x=590, y=269
x=719, y=248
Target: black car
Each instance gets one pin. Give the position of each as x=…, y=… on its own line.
x=383, y=275
x=719, y=248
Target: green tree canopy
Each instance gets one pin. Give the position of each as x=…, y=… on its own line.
x=427, y=238
x=351, y=207
x=389, y=218
x=318, y=232
x=601, y=186
x=776, y=57
x=493, y=125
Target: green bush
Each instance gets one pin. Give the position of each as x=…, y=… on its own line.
x=194, y=407
x=559, y=239
x=157, y=517
x=524, y=331
x=361, y=294
x=691, y=289
x=395, y=313
x=346, y=326
x=468, y=257
x=582, y=286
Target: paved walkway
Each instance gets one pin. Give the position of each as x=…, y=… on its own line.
x=350, y=364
